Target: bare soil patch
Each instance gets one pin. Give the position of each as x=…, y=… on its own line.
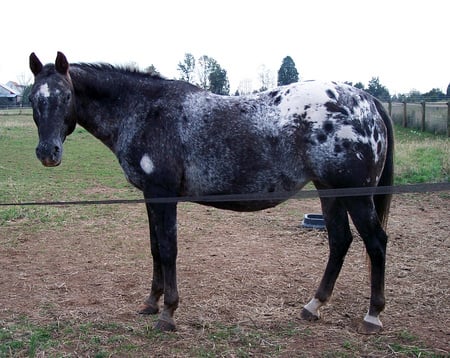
x=250, y=271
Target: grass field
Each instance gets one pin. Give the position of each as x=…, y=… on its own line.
x=90, y=172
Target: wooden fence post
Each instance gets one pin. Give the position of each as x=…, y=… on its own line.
x=405, y=121
x=423, y=116
x=390, y=108
x=448, y=119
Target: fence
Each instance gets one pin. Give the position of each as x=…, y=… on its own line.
x=431, y=117
x=6, y=110
x=428, y=117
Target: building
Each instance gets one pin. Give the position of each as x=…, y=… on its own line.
x=9, y=96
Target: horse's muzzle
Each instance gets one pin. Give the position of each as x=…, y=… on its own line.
x=49, y=153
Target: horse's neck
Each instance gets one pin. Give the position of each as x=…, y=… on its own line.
x=95, y=112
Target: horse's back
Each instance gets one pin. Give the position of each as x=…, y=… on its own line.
x=280, y=139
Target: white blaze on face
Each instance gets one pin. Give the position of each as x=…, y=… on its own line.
x=44, y=91
x=147, y=164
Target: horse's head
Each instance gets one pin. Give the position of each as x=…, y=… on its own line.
x=52, y=99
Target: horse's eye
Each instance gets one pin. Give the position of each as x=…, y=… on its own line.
x=67, y=99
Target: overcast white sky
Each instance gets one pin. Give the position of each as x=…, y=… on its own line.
x=404, y=43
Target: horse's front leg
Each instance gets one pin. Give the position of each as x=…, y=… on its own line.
x=163, y=239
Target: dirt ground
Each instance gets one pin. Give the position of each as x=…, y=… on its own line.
x=248, y=270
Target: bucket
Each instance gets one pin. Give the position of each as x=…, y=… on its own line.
x=313, y=221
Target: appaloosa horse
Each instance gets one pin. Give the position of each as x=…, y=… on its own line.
x=173, y=139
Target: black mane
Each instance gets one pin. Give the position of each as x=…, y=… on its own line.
x=103, y=80
x=109, y=68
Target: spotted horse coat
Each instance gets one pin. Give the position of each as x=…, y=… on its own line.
x=173, y=139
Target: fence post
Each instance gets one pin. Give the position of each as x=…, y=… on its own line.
x=423, y=116
x=390, y=108
x=405, y=121
x=448, y=119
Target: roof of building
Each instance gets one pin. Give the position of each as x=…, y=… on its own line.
x=8, y=92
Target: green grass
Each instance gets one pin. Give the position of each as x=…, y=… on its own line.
x=89, y=171
x=100, y=339
x=421, y=157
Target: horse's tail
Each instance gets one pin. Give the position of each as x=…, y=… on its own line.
x=383, y=201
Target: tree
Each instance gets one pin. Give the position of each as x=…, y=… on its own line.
x=245, y=87
x=287, y=73
x=266, y=77
x=152, y=70
x=434, y=95
x=132, y=65
x=187, y=67
x=218, y=80
x=359, y=85
x=25, y=95
x=376, y=89
x=204, y=67
x=448, y=91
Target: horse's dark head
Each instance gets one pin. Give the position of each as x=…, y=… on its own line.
x=52, y=99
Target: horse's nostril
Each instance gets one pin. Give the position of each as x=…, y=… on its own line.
x=57, y=149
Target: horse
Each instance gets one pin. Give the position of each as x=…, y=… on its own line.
x=174, y=140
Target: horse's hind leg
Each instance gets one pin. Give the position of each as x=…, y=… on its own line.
x=339, y=239
x=363, y=214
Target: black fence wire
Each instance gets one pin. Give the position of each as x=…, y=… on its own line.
x=302, y=194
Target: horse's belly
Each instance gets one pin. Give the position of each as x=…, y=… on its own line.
x=244, y=206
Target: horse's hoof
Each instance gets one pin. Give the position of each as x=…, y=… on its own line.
x=145, y=308
x=309, y=316
x=165, y=326
x=369, y=328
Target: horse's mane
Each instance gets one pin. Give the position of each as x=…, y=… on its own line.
x=109, y=69
x=103, y=79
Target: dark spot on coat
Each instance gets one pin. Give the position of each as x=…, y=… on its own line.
x=378, y=147
x=288, y=91
x=307, y=106
x=277, y=101
x=346, y=144
x=375, y=134
x=330, y=94
x=273, y=93
x=333, y=107
x=321, y=137
x=328, y=126
x=337, y=148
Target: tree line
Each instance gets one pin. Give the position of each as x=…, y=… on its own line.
x=208, y=74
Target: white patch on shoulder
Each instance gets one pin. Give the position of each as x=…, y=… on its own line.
x=147, y=164
x=44, y=91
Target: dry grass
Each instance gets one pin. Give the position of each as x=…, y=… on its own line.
x=243, y=279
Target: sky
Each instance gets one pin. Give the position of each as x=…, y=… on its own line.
x=404, y=43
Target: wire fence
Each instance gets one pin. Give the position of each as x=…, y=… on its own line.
x=268, y=197
x=433, y=117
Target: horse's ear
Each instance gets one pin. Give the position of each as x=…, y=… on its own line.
x=35, y=64
x=61, y=64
